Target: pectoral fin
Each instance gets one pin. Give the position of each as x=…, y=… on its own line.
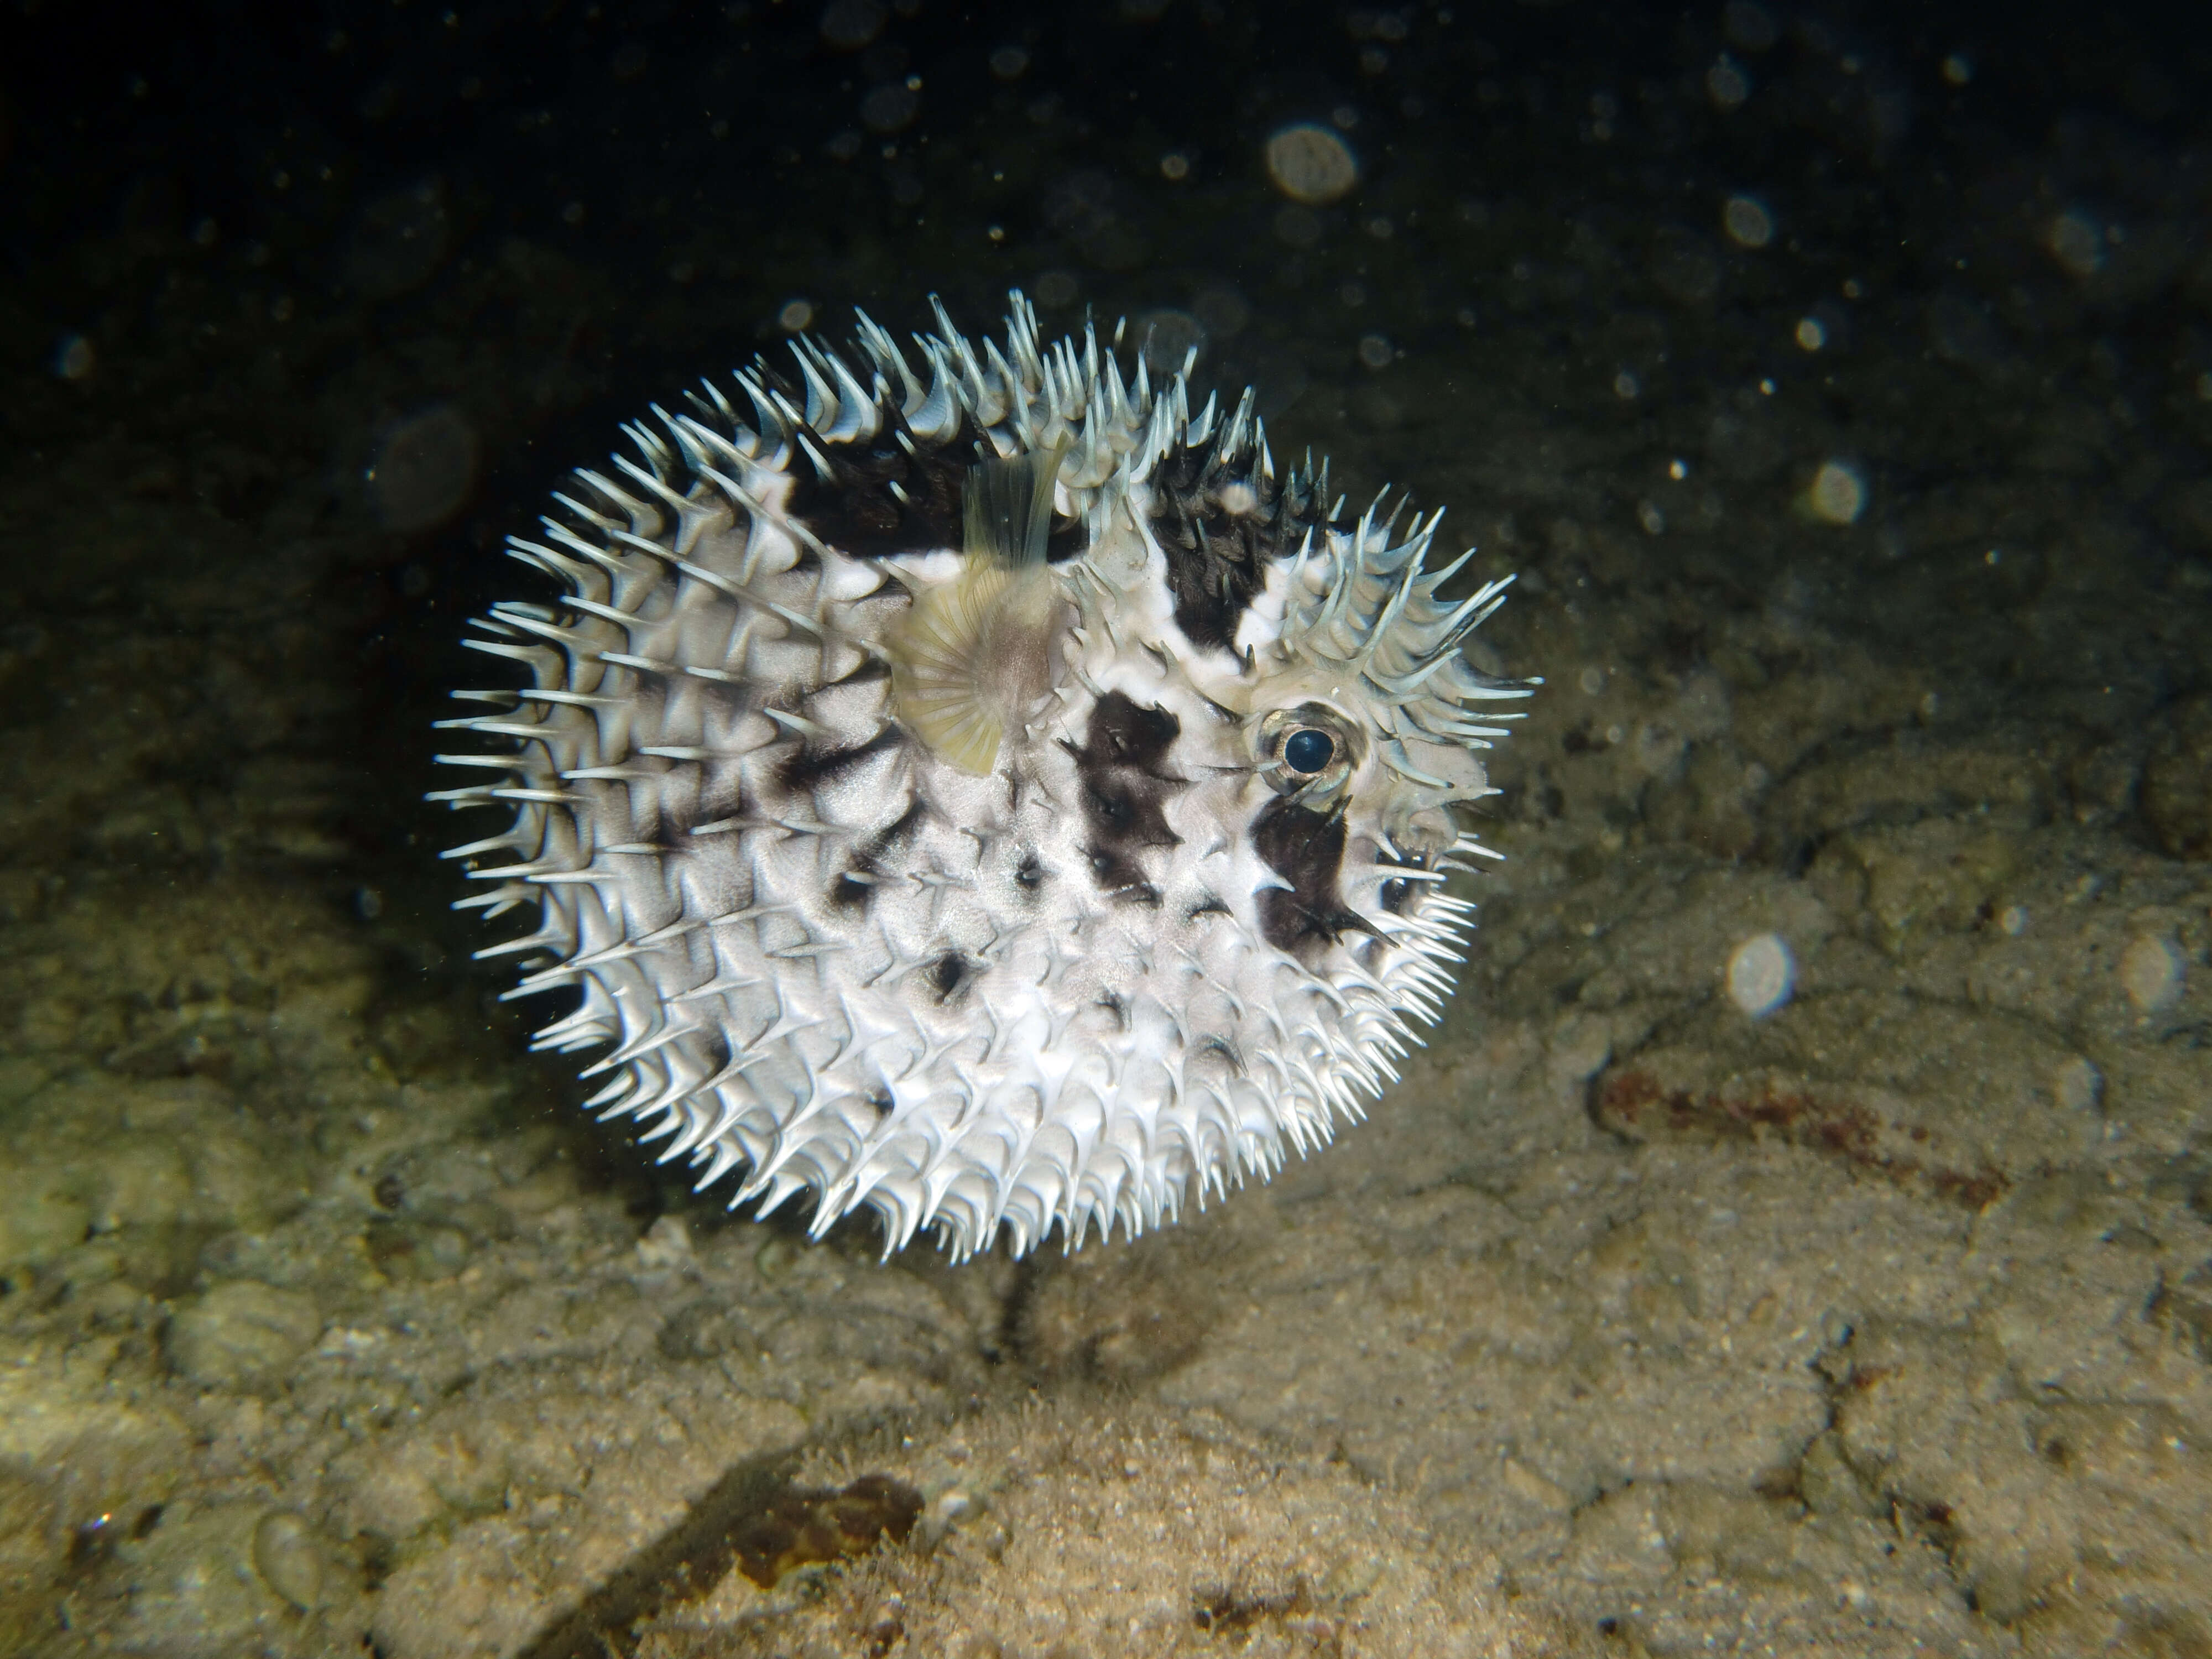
x=976, y=652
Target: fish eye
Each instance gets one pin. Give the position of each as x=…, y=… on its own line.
x=1308, y=750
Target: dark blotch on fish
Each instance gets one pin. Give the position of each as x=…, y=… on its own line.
x=1219, y=533
x=1122, y=764
x=809, y=767
x=854, y=510
x=1306, y=850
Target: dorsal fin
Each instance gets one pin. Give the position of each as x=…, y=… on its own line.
x=1007, y=508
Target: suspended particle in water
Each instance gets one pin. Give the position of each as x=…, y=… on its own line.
x=890, y=108
x=286, y=1557
x=1222, y=311
x=849, y=24
x=425, y=472
x=1312, y=165
x=1749, y=26
x=2076, y=242
x=1726, y=85
x=2078, y=1084
x=2152, y=974
x=1296, y=227
x=1166, y=338
x=1839, y=494
x=73, y=357
x=399, y=240
x=1747, y=221
x=1761, y=974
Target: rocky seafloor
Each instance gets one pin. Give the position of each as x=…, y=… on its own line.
x=1631, y=1323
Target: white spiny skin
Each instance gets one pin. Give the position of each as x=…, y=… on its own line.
x=893, y=985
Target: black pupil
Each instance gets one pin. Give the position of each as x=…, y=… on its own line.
x=1308, y=750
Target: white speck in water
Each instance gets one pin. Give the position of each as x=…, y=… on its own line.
x=849, y=24
x=891, y=109
x=1678, y=470
x=1311, y=164
x=1747, y=221
x=1749, y=25
x=1761, y=974
x=1624, y=385
x=1166, y=338
x=1593, y=680
x=1221, y=311
x=1375, y=351
x=666, y=1244
x=1812, y=333
x=2013, y=921
x=2078, y=1084
x=73, y=358
x=1296, y=227
x=286, y=1557
x=795, y=315
x=1653, y=520
x=1726, y=85
x=2076, y=242
x=425, y=470
x=1839, y=494
x=2151, y=973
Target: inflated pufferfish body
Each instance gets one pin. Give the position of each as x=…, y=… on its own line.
x=982, y=791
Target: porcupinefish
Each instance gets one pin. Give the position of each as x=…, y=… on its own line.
x=979, y=790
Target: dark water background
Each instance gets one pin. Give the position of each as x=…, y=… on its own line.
x=276, y=234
